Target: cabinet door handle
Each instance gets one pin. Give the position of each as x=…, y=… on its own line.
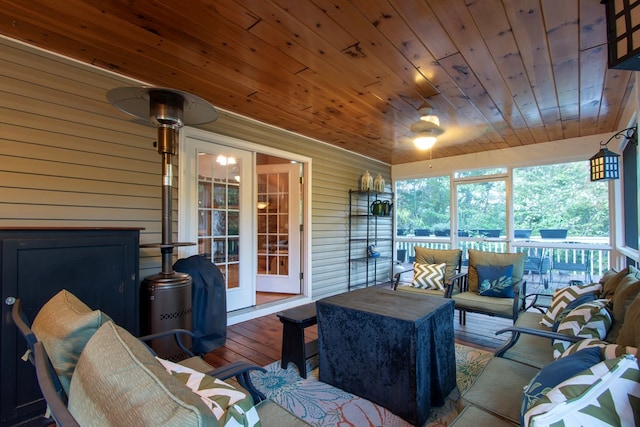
x=10, y=300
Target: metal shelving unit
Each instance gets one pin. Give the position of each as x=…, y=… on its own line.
x=366, y=229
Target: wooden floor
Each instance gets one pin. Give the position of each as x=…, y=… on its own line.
x=259, y=341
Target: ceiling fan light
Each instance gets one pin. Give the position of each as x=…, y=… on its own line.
x=424, y=142
x=431, y=118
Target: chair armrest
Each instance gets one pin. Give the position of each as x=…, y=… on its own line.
x=540, y=333
x=177, y=334
x=53, y=397
x=241, y=370
x=460, y=280
x=397, y=277
x=519, y=301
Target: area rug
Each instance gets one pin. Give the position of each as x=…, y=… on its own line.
x=322, y=405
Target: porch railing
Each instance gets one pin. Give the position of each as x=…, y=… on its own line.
x=594, y=253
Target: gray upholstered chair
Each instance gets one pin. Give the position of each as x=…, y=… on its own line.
x=471, y=300
x=452, y=258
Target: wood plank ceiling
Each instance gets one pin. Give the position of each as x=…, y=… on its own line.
x=499, y=73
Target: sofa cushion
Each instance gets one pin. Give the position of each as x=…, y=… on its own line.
x=626, y=292
x=230, y=406
x=450, y=257
x=607, y=350
x=118, y=382
x=563, y=297
x=601, y=395
x=630, y=331
x=611, y=279
x=428, y=276
x=64, y=325
x=499, y=387
x=494, y=258
x=530, y=349
x=589, y=320
x=556, y=372
x=472, y=301
x=495, y=280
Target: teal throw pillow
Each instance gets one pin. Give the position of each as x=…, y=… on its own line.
x=495, y=280
x=555, y=373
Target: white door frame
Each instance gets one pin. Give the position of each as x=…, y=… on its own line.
x=187, y=215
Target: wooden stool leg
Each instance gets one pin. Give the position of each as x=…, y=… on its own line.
x=293, y=347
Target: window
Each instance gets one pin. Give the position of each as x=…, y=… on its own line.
x=560, y=199
x=424, y=207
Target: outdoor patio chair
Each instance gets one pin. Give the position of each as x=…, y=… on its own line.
x=540, y=266
x=494, y=285
x=429, y=279
x=581, y=265
x=80, y=328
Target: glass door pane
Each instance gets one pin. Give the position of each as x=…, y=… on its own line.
x=218, y=213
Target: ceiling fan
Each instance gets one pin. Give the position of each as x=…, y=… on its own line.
x=427, y=129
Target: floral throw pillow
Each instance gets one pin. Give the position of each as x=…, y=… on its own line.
x=428, y=276
x=495, y=281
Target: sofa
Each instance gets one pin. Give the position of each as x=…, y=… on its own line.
x=105, y=376
x=573, y=365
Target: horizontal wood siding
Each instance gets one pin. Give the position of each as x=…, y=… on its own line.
x=334, y=171
x=69, y=159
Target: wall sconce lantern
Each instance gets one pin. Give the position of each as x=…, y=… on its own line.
x=623, y=33
x=605, y=164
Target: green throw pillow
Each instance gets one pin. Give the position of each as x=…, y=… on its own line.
x=428, y=276
x=118, y=382
x=630, y=331
x=606, y=394
x=611, y=279
x=64, y=325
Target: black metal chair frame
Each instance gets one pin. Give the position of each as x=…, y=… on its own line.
x=54, y=393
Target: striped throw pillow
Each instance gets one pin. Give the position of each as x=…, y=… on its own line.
x=231, y=407
x=428, y=276
x=563, y=297
x=607, y=350
x=589, y=320
x=602, y=395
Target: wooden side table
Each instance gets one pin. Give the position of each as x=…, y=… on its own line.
x=294, y=349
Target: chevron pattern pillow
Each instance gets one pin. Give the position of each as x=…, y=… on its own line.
x=607, y=350
x=428, y=276
x=231, y=407
x=563, y=297
x=589, y=320
x=602, y=395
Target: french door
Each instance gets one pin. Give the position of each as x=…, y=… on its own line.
x=278, y=210
x=216, y=205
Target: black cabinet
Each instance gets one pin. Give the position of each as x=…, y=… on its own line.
x=99, y=266
x=370, y=227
